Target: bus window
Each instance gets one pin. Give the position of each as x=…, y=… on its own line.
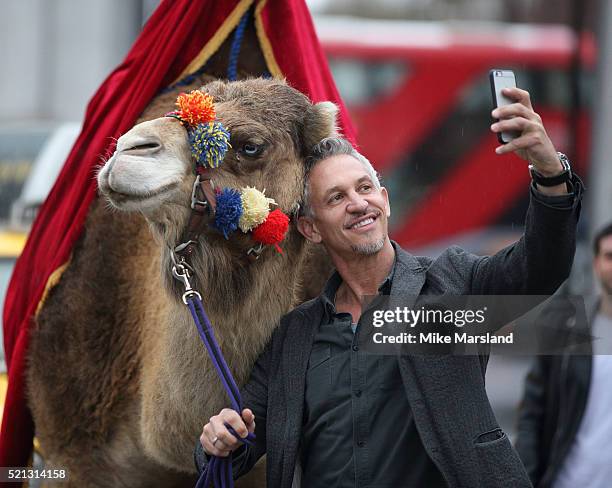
x=362, y=81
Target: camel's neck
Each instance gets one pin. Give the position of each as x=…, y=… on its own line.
x=244, y=306
x=227, y=281
x=243, y=302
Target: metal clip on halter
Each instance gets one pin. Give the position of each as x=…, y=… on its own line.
x=194, y=199
x=180, y=271
x=181, y=274
x=254, y=253
x=180, y=248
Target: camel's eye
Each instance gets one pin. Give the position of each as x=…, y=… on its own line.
x=251, y=150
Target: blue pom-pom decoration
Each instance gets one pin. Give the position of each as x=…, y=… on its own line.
x=229, y=210
x=209, y=143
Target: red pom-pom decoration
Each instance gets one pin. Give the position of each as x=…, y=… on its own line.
x=272, y=230
x=195, y=107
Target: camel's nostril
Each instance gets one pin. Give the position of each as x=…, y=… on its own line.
x=145, y=147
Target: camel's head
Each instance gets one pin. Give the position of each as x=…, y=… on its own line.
x=271, y=129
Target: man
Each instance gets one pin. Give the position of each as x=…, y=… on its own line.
x=565, y=423
x=340, y=417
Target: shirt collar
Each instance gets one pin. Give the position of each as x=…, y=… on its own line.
x=331, y=287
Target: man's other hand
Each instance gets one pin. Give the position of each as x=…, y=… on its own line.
x=217, y=440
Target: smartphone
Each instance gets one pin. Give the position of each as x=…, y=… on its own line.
x=502, y=78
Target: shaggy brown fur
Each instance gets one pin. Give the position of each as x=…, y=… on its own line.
x=119, y=383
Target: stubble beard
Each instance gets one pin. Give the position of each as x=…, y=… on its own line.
x=369, y=248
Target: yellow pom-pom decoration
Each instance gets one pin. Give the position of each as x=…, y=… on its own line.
x=255, y=208
x=196, y=107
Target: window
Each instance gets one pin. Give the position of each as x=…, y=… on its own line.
x=361, y=81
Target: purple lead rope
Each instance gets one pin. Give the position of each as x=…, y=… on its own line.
x=219, y=469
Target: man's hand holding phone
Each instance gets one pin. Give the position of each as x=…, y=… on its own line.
x=532, y=143
x=519, y=128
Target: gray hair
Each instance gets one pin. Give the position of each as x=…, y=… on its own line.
x=328, y=147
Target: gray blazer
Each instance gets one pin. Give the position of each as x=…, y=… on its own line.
x=446, y=393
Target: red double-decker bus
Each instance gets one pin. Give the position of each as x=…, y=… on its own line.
x=419, y=95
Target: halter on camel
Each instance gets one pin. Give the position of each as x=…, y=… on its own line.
x=229, y=209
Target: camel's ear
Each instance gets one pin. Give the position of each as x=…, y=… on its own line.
x=320, y=123
x=216, y=88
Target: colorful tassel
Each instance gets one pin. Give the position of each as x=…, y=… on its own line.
x=273, y=230
x=209, y=140
x=209, y=143
x=255, y=208
x=229, y=210
x=196, y=107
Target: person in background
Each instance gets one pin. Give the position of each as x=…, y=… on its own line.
x=565, y=417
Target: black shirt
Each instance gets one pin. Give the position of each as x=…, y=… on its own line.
x=358, y=429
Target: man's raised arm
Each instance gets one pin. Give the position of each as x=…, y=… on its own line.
x=542, y=259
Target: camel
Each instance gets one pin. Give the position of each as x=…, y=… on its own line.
x=119, y=383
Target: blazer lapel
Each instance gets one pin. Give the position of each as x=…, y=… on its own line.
x=297, y=346
x=409, y=276
x=298, y=343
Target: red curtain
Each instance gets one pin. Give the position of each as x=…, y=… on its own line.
x=173, y=36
